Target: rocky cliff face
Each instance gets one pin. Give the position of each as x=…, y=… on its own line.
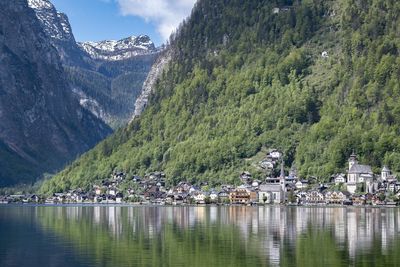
x=57, y=27
x=148, y=85
x=105, y=76
x=42, y=124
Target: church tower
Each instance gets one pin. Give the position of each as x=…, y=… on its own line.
x=282, y=179
x=385, y=173
x=352, y=160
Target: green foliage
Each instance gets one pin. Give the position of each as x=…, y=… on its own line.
x=243, y=78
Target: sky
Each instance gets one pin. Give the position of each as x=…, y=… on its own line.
x=96, y=20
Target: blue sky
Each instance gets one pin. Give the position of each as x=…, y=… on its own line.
x=95, y=20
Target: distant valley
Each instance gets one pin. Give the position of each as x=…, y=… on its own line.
x=106, y=76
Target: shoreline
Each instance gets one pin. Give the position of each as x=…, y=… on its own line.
x=191, y=205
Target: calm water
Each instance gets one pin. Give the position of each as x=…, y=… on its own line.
x=198, y=236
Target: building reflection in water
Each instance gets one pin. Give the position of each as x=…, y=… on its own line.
x=271, y=230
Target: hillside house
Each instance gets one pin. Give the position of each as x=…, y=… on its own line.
x=301, y=184
x=245, y=177
x=339, y=178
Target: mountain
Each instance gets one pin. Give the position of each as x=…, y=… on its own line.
x=119, y=50
x=106, y=76
x=42, y=125
x=315, y=79
x=57, y=27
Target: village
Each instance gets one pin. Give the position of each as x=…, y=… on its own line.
x=359, y=186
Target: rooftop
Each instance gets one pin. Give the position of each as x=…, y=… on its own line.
x=358, y=168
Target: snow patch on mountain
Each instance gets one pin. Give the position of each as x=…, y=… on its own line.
x=40, y=4
x=55, y=24
x=113, y=50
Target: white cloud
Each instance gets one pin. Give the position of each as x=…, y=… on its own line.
x=166, y=14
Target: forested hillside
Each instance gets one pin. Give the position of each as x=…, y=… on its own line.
x=315, y=79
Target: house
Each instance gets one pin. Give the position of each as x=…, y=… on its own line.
x=3, y=200
x=119, y=197
x=98, y=190
x=359, y=200
x=245, y=177
x=200, y=197
x=153, y=192
x=223, y=196
x=112, y=192
x=193, y=189
x=339, y=179
x=60, y=197
x=314, y=197
x=274, y=154
x=253, y=196
x=358, y=173
x=386, y=175
x=51, y=200
x=301, y=184
x=184, y=187
x=239, y=195
x=336, y=197
x=267, y=164
x=180, y=198
x=214, y=196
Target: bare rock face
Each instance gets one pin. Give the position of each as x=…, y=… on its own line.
x=154, y=74
x=42, y=124
x=106, y=76
x=58, y=29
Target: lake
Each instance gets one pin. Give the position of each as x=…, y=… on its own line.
x=198, y=236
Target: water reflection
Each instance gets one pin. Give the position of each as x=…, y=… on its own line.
x=226, y=236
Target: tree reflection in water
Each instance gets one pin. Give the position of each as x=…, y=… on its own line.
x=227, y=236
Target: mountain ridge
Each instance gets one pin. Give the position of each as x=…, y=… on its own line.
x=112, y=50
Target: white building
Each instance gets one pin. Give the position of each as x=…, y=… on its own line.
x=357, y=174
x=270, y=194
x=339, y=179
x=274, y=191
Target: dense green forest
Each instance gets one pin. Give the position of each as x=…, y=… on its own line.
x=246, y=76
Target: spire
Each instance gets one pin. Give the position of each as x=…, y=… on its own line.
x=352, y=160
x=282, y=180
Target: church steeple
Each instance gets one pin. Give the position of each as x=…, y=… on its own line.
x=282, y=179
x=352, y=160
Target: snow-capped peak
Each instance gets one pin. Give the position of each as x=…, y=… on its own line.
x=55, y=24
x=40, y=4
x=118, y=50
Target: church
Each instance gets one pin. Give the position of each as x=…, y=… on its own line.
x=358, y=173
